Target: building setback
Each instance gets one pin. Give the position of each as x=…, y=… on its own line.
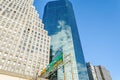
x=98, y=72
x=24, y=44
x=60, y=22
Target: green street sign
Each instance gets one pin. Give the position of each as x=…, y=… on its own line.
x=55, y=62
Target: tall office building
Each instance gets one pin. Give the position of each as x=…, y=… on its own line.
x=60, y=22
x=98, y=72
x=24, y=44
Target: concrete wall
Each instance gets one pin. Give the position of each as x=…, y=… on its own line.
x=6, y=77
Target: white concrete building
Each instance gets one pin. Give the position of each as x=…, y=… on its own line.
x=24, y=44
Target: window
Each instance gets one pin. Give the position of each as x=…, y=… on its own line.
x=3, y=23
x=24, y=44
x=29, y=67
x=31, y=57
x=20, y=58
x=40, y=49
x=0, y=66
x=36, y=48
x=3, y=13
x=23, y=48
x=14, y=63
x=32, y=47
x=28, y=29
x=20, y=46
x=10, y=56
x=14, y=11
x=3, y=60
x=30, y=61
x=29, y=41
x=6, y=67
x=24, y=65
x=46, y=56
x=0, y=9
x=34, y=35
x=5, y=54
x=31, y=51
x=8, y=61
x=0, y=52
x=33, y=67
x=28, y=50
x=16, y=57
x=25, y=60
x=18, y=64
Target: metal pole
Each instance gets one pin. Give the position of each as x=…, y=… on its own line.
x=71, y=67
x=64, y=69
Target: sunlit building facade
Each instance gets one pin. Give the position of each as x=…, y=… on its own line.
x=91, y=72
x=98, y=72
x=24, y=44
x=60, y=22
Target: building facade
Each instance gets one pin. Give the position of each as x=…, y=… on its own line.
x=91, y=72
x=17, y=77
x=60, y=22
x=98, y=72
x=24, y=44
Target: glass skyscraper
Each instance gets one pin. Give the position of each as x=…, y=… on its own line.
x=59, y=21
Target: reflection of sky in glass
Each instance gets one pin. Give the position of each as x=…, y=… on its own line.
x=60, y=22
x=63, y=38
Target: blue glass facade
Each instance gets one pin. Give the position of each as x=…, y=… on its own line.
x=59, y=21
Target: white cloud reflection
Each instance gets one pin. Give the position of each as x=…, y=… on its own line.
x=63, y=38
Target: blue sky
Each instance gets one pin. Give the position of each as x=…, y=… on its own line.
x=99, y=28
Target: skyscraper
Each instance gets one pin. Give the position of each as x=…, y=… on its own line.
x=91, y=72
x=98, y=72
x=24, y=44
x=60, y=22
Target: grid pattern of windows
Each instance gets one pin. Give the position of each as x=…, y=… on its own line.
x=24, y=44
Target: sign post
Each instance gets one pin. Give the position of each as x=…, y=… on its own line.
x=57, y=60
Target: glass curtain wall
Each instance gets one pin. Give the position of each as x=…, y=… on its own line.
x=59, y=21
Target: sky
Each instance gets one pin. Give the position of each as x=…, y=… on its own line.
x=99, y=28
